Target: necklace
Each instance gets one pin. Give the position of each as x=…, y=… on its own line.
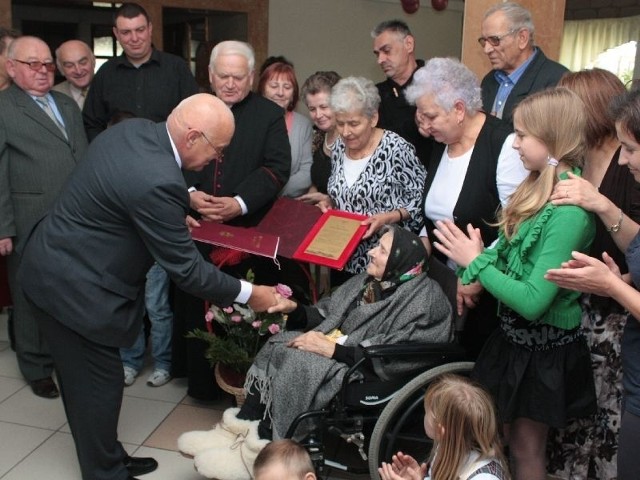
x=329, y=146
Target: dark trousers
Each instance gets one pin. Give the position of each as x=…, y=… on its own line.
x=628, y=441
x=91, y=383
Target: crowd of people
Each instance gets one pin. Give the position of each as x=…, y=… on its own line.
x=524, y=183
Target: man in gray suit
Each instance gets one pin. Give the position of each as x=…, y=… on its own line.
x=76, y=62
x=37, y=154
x=84, y=265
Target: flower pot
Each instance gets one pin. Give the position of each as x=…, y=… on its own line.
x=230, y=381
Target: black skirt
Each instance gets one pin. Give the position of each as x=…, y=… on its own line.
x=537, y=371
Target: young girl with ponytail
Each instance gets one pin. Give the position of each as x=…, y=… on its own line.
x=537, y=364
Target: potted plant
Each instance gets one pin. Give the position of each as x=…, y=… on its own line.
x=246, y=332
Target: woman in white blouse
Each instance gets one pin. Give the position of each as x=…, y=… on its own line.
x=472, y=171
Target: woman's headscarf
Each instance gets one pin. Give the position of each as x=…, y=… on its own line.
x=407, y=259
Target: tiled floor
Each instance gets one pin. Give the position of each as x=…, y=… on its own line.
x=36, y=442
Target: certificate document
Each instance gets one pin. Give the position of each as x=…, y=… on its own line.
x=333, y=239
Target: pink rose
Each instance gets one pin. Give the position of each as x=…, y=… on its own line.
x=274, y=328
x=228, y=309
x=256, y=324
x=236, y=318
x=208, y=316
x=284, y=290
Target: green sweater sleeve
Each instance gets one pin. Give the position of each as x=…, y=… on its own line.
x=522, y=286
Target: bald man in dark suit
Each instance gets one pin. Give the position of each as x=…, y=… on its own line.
x=87, y=259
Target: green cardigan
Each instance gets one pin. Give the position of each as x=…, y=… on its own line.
x=513, y=271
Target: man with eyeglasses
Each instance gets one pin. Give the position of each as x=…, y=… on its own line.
x=42, y=140
x=76, y=62
x=519, y=67
x=148, y=84
x=84, y=265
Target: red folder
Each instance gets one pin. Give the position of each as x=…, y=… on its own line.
x=287, y=230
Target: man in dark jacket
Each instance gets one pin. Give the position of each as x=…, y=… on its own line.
x=519, y=67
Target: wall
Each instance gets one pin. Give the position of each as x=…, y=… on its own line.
x=335, y=34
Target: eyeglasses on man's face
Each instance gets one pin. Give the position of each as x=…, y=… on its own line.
x=494, y=40
x=37, y=66
x=218, y=152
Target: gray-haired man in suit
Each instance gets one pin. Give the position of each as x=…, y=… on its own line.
x=40, y=145
x=85, y=263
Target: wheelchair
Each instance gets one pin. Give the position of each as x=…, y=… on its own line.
x=377, y=418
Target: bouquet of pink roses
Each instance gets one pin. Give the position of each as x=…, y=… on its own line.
x=246, y=332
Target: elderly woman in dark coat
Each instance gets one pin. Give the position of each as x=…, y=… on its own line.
x=393, y=301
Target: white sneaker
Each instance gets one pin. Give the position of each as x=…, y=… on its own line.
x=158, y=378
x=130, y=375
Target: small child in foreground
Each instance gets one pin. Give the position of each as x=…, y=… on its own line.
x=283, y=460
x=461, y=420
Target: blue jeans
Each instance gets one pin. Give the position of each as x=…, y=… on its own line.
x=156, y=297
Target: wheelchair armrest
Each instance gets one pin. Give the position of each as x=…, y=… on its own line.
x=412, y=349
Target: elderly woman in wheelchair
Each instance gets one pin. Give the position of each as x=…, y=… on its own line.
x=393, y=302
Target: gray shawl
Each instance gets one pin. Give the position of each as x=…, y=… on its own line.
x=292, y=381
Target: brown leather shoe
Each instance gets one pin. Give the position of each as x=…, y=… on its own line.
x=45, y=388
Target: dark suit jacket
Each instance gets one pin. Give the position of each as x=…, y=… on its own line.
x=124, y=206
x=35, y=158
x=256, y=163
x=541, y=73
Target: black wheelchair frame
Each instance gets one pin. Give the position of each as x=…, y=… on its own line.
x=383, y=416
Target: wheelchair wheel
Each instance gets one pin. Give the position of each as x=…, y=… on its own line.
x=400, y=425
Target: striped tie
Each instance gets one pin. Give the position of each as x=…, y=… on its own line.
x=44, y=103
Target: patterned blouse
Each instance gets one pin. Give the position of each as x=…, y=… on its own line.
x=393, y=178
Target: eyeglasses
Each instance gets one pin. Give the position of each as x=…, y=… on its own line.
x=37, y=66
x=494, y=40
x=219, y=152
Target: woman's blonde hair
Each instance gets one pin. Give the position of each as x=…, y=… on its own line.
x=464, y=413
x=557, y=118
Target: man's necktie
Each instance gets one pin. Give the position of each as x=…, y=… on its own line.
x=47, y=108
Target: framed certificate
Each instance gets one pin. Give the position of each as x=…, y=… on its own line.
x=332, y=239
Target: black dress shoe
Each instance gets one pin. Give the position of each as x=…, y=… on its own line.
x=45, y=388
x=140, y=465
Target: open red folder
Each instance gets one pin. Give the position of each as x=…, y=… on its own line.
x=292, y=229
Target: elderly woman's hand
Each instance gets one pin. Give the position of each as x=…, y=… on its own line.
x=326, y=203
x=314, y=198
x=315, y=342
x=283, y=305
x=379, y=220
x=455, y=244
x=578, y=191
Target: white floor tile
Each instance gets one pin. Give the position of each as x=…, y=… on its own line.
x=140, y=417
x=24, y=408
x=18, y=441
x=9, y=386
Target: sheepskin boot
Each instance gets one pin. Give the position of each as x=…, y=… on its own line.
x=223, y=434
x=234, y=462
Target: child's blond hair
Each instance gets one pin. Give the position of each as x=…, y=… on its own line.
x=465, y=421
x=557, y=118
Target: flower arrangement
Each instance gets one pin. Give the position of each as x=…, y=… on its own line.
x=246, y=332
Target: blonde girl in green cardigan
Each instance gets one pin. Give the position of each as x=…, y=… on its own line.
x=537, y=364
